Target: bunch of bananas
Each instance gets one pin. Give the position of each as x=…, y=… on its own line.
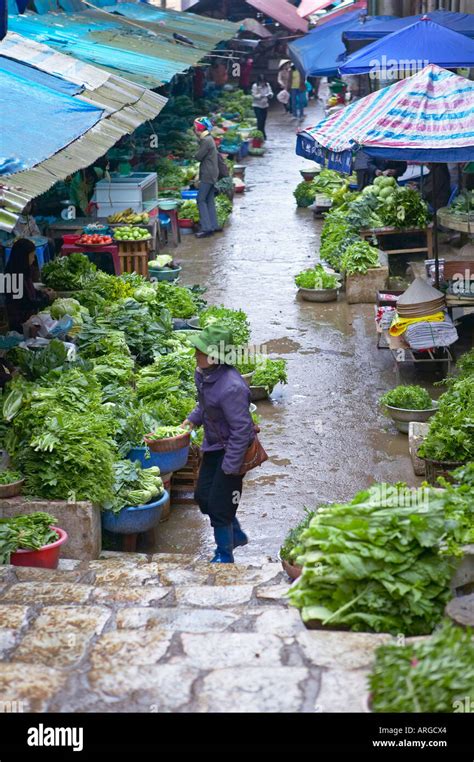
x=129, y=217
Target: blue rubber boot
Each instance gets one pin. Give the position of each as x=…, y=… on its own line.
x=224, y=537
x=240, y=538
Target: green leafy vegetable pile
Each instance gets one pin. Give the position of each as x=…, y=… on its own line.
x=134, y=485
x=359, y=257
x=30, y=532
x=317, y=278
x=451, y=433
x=10, y=477
x=67, y=273
x=375, y=563
x=408, y=398
x=165, y=432
x=434, y=676
x=234, y=320
x=189, y=211
x=292, y=547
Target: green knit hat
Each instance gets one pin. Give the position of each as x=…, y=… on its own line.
x=216, y=341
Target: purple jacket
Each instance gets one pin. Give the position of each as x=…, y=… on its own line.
x=223, y=410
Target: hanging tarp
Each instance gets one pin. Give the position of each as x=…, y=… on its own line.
x=122, y=105
x=54, y=118
x=317, y=53
x=283, y=12
x=378, y=27
x=426, y=118
x=411, y=49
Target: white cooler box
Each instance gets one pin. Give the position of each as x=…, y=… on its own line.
x=139, y=191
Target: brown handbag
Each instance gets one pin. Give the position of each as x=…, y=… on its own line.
x=254, y=456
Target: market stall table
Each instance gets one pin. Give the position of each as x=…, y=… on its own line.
x=112, y=249
x=391, y=231
x=68, y=227
x=403, y=354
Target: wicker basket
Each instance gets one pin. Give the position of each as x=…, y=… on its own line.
x=169, y=444
x=11, y=490
x=436, y=468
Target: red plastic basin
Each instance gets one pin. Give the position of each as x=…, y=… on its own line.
x=185, y=223
x=70, y=238
x=46, y=557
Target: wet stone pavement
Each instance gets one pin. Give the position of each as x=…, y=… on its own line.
x=324, y=432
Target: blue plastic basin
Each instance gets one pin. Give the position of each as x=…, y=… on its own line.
x=189, y=194
x=135, y=519
x=167, y=462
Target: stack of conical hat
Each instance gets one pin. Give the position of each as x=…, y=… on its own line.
x=419, y=300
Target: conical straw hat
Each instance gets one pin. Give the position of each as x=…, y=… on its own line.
x=420, y=292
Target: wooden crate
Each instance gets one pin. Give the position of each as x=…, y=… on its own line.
x=134, y=257
x=184, y=481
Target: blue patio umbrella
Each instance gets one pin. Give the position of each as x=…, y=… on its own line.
x=316, y=54
x=380, y=26
x=411, y=49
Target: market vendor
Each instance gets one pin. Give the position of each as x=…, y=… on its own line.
x=389, y=168
x=437, y=186
x=224, y=412
x=24, y=300
x=207, y=157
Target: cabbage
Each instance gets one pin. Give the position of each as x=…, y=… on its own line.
x=144, y=294
x=61, y=307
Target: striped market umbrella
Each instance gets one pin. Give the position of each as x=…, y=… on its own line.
x=426, y=118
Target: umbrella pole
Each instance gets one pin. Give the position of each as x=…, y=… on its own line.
x=435, y=227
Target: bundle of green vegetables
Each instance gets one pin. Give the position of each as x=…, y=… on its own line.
x=224, y=209
x=266, y=371
x=359, y=257
x=171, y=373
x=375, y=563
x=29, y=532
x=188, y=210
x=451, y=433
x=408, y=398
x=435, y=675
x=305, y=194
x=386, y=204
x=134, y=485
x=179, y=300
x=67, y=273
x=336, y=236
x=165, y=432
x=292, y=547
x=235, y=321
x=10, y=477
x=316, y=277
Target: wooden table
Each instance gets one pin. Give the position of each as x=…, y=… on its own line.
x=389, y=231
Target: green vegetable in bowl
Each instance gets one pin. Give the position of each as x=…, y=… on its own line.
x=134, y=485
x=408, y=398
x=269, y=373
x=166, y=432
x=29, y=532
x=316, y=278
x=433, y=676
x=10, y=477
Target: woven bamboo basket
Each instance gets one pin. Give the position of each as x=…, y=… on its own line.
x=169, y=444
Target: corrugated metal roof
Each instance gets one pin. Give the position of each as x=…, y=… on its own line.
x=205, y=33
x=126, y=106
x=110, y=42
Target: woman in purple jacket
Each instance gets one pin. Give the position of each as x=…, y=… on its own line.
x=224, y=411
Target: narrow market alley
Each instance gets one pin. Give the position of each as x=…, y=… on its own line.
x=324, y=432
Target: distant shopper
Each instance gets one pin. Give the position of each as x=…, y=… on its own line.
x=24, y=300
x=284, y=82
x=246, y=74
x=261, y=94
x=297, y=93
x=224, y=412
x=207, y=157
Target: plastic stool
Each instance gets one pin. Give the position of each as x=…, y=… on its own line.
x=172, y=215
x=164, y=227
x=112, y=249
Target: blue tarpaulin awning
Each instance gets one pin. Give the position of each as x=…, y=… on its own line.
x=380, y=26
x=410, y=49
x=54, y=118
x=317, y=53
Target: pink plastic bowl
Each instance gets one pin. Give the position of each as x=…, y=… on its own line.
x=46, y=557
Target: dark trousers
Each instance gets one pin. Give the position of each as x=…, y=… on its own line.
x=217, y=494
x=207, y=207
x=261, y=114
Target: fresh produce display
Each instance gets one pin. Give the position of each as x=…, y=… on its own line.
x=386, y=204
x=30, y=532
x=359, y=257
x=235, y=321
x=10, y=477
x=433, y=676
x=408, y=398
x=317, y=278
x=67, y=273
x=336, y=236
x=134, y=485
x=326, y=182
x=375, y=563
x=292, y=546
x=179, y=300
x=129, y=217
x=131, y=233
x=266, y=371
x=305, y=194
x=463, y=204
x=224, y=209
x=94, y=239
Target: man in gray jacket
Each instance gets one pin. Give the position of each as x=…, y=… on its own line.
x=208, y=177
